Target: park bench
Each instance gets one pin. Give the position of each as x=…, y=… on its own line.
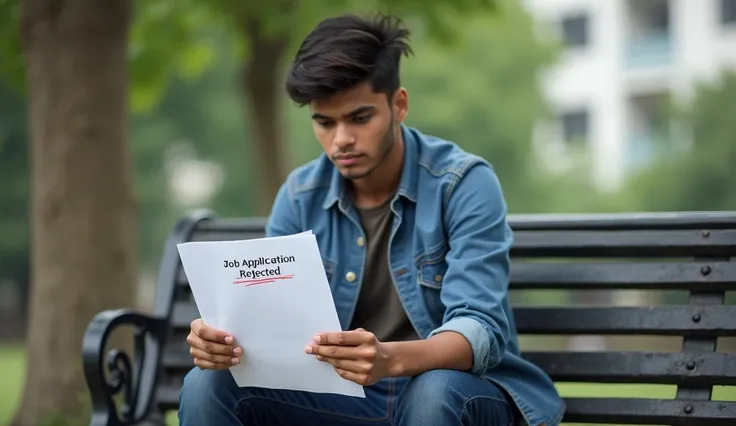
x=686, y=255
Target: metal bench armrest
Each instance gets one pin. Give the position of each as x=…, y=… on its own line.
x=133, y=379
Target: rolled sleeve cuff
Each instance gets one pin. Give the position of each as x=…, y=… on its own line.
x=483, y=345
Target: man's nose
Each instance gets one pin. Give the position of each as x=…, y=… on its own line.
x=343, y=137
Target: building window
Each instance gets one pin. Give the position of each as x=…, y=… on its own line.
x=648, y=28
x=659, y=20
x=575, y=30
x=647, y=19
x=575, y=127
x=728, y=12
x=648, y=128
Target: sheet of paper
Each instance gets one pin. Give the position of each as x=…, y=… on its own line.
x=272, y=295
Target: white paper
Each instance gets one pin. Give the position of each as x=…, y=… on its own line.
x=272, y=316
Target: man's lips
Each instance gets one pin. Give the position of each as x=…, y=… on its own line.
x=348, y=159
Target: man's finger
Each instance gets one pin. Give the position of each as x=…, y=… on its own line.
x=212, y=347
x=214, y=335
x=213, y=358
x=333, y=351
x=343, y=338
x=207, y=365
x=360, y=367
x=361, y=379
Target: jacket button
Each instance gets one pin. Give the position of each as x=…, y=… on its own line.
x=350, y=276
x=360, y=241
x=438, y=278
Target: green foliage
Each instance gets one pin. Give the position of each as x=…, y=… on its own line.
x=14, y=196
x=490, y=104
x=12, y=64
x=443, y=21
x=205, y=118
x=167, y=39
x=701, y=177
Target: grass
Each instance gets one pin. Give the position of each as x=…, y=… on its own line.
x=12, y=367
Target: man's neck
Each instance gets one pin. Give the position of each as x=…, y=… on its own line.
x=383, y=182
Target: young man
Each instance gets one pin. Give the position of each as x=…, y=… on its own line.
x=414, y=239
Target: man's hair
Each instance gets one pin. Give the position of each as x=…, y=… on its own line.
x=347, y=50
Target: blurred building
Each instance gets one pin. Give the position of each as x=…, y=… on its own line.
x=623, y=60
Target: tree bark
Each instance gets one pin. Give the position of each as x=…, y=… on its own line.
x=262, y=85
x=83, y=211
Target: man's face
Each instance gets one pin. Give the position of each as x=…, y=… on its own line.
x=357, y=128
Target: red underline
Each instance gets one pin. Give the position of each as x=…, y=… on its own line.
x=265, y=280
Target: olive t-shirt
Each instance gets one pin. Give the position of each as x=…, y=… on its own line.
x=379, y=308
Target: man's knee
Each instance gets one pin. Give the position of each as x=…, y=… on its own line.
x=451, y=397
x=432, y=389
x=206, y=393
x=206, y=384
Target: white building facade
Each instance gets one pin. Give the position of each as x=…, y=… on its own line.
x=623, y=59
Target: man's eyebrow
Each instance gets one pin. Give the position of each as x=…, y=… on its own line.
x=359, y=110
x=317, y=116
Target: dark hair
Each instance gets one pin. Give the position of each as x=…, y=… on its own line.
x=343, y=51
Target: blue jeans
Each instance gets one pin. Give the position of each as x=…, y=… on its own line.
x=435, y=398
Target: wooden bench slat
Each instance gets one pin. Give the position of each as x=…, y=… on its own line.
x=595, y=239
x=650, y=411
x=688, y=369
x=233, y=224
x=698, y=220
x=701, y=276
x=634, y=244
x=167, y=397
x=183, y=314
x=220, y=236
x=655, y=320
x=176, y=362
x=623, y=221
x=708, y=369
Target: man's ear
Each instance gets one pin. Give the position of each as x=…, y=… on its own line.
x=401, y=104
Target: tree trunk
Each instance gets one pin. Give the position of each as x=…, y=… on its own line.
x=83, y=211
x=262, y=84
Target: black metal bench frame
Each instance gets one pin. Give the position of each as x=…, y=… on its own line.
x=589, y=249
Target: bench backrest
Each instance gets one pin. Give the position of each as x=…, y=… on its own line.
x=685, y=257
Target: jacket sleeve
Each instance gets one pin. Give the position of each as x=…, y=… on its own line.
x=475, y=284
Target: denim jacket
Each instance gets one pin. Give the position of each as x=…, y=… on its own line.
x=448, y=254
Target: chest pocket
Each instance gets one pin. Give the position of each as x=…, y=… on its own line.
x=432, y=274
x=431, y=268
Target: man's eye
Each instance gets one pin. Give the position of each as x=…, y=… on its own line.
x=324, y=123
x=361, y=118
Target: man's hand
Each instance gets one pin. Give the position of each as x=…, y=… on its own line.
x=212, y=349
x=356, y=355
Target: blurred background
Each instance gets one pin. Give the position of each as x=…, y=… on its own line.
x=581, y=106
